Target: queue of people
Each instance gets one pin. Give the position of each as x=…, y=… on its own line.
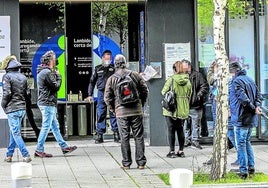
x=125, y=107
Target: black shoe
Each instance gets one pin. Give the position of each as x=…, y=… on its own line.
x=251, y=171
x=209, y=162
x=182, y=155
x=243, y=176
x=99, y=139
x=187, y=144
x=172, y=154
x=68, y=149
x=116, y=137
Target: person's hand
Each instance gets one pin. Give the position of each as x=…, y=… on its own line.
x=258, y=110
x=90, y=99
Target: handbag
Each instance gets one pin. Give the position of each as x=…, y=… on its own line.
x=169, y=100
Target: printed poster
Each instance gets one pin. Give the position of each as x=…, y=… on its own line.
x=4, y=37
x=175, y=52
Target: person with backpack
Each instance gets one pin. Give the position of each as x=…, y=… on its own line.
x=125, y=94
x=99, y=78
x=175, y=120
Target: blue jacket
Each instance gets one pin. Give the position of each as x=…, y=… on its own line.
x=244, y=97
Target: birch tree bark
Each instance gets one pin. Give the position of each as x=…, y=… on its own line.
x=103, y=18
x=218, y=168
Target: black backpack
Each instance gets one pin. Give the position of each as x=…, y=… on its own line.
x=126, y=90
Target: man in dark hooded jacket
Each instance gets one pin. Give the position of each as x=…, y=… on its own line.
x=15, y=90
x=244, y=114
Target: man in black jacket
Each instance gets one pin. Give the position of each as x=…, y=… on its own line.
x=48, y=84
x=15, y=93
x=200, y=89
x=99, y=77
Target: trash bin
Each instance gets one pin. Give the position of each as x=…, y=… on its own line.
x=69, y=119
x=21, y=174
x=181, y=178
x=82, y=119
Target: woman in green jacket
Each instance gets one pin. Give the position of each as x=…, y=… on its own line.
x=175, y=120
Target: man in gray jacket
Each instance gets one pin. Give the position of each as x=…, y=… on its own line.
x=129, y=116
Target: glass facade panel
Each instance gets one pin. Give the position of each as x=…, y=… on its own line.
x=263, y=32
x=206, y=54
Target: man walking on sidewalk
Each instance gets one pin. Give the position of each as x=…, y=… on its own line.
x=48, y=84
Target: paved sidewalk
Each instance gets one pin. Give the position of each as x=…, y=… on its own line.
x=98, y=166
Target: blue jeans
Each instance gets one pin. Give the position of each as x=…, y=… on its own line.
x=49, y=121
x=15, y=139
x=196, y=115
x=244, y=149
x=102, y=114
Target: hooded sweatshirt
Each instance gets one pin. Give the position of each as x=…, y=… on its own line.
x=183, y=90
x=15, y=88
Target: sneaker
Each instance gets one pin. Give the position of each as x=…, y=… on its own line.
x=68, y=149
x=8, y=159
x=172, y=154
x=182, y=155
x=141, y=167
x=236, y=163
x=41, y=154
x=209, y=162
x=27, y=159
x=125, y=167
x=196, y=144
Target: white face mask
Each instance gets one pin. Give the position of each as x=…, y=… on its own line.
x=106, y=63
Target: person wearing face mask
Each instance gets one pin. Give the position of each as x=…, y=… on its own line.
x=99, y=78
x=200, y=89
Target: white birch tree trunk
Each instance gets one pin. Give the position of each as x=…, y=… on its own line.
x=218, y=168
x=103, y=18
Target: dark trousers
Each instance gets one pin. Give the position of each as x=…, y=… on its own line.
x=102, y=114
x=125, y=125
x=175, y=125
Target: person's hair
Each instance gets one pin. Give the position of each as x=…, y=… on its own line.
x=177, y=67
x=235, y=66
x=106, y=52
x=120, y=61
x=49, y=55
